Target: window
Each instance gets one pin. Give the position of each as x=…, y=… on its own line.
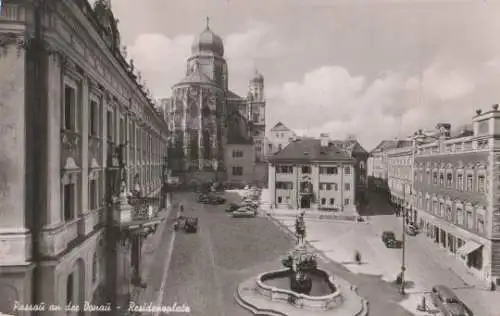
x=441, y=178
x=306, y=169
x=93, y=119
x=109, y=121
x=94, y=268
x=328, y=170
x=460, y=216
x=441, y=209
x=69, y=289
x=435, y=207
x=480, y=224
x=347, y=186
x=460, y=181
x=69, y=108
x=470, y=221
x=435, y=177
x=332, y=201
x=280, y=199
x=256, y=119
x=449, y=213
x=93, y=194
x=346, y=202
x=284, y=185
x=323, y=201
x=68, y=201
x=469, y=183
x=449, y=179
x=237, y=153
x=284, y=169
x=237, y=171
x=347, y=170
x=481, y=183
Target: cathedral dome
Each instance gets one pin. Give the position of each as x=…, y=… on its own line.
x=208, y=42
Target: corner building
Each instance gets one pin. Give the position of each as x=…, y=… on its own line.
x=457, y=195
x=312, y=174
x=69, y=98
x=211, y=125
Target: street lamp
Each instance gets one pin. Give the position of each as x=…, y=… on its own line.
x=417, y=136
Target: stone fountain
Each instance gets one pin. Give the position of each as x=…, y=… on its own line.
x=299, y=287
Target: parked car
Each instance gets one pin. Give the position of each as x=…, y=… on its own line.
x=232, y=207
x=411, y=230
x=210, y=198
x=447, y=302
x=244, y=212
x=191, y=224
x=389, y=239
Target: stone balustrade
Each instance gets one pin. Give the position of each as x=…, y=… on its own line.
x=302, y=301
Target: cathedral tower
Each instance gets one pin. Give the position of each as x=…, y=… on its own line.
x=208, y=52
x=256, y=108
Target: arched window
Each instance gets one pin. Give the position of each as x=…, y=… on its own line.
x=206, y=145
x=94, y=268
x=69, y=289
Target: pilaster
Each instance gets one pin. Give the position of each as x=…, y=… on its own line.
x=85, y=148
x=272, y=184
x=55, y=84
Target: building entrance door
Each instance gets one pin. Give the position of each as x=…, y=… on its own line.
x=305, y=202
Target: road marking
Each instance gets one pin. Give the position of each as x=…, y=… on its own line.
x=159, y=300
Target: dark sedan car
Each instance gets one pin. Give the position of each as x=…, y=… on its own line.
x=211, y=199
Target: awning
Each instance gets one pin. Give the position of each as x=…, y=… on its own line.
x=469, y=247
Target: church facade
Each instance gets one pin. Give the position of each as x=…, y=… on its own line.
x=210, y=126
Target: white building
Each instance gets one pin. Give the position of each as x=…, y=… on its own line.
x=312, y=174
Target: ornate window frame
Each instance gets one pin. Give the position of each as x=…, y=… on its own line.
x=469, y=171
x=459, y=210
x=74, y=84
x=469, y=224
x=480, y=214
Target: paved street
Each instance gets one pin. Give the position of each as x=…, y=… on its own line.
x=426, y=264
x=206, y=267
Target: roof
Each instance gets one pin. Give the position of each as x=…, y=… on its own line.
x=232, y=95
x=310, y=149
x=391, y=144
x=352, y=146
x=196, y=75
x=280, y=127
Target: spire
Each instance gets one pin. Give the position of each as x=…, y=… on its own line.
x=208, y=23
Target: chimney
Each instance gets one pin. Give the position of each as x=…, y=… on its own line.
x=324, y=138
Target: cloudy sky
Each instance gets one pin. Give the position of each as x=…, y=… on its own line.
x=377, y=69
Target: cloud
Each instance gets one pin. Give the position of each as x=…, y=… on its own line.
x=162, y=60
x=332, y=100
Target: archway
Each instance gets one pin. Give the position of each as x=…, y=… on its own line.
x=79, y=284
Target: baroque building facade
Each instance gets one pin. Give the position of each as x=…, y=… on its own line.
x=456, y=194
x=70, y=103
x=312, y=174
x=205, y=116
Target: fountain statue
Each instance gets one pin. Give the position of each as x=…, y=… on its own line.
x=301, y=285
x=301, y=260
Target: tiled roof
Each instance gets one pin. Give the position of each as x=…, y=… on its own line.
x=310, y=149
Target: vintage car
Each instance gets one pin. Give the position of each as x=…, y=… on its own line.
x=250, y=203
x=191, y=224
x=232, y=207
x=210, y=199
x=389, y=239
x=244, y=212
x=411, y=230
x=447, y=302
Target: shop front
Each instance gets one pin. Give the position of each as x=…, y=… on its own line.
x=463, y=245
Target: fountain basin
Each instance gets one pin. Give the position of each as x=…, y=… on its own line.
x=324, y=294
